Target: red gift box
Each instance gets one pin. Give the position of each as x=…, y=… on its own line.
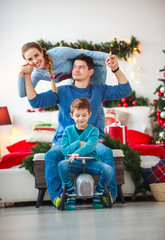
x=116, y=130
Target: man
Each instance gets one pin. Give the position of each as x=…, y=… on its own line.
x=83, y=68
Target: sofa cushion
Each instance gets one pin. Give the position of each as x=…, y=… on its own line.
x=136, y=137
x=42, y=132
x=138, y=118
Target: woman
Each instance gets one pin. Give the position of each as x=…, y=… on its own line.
x=56, y=63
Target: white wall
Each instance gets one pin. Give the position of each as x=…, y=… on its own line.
x=95, y=20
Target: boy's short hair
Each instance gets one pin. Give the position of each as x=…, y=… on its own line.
x=87, y=59
x=80, y=103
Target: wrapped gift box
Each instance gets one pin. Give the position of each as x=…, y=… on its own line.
x=116, y=130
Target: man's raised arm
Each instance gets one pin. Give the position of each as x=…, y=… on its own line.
x=112, y=62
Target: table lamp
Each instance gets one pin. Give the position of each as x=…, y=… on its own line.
x=4, y=119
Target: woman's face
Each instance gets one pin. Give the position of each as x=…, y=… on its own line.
x=35, y=58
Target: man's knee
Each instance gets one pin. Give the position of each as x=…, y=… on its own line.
x=110, y=171
x=108, y=151
x=53, y=155
x=103, y=150
x=107, y=156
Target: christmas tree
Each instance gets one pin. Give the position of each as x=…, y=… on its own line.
x=158, y=113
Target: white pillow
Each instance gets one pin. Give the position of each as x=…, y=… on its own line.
x=42, y=132
x=138, y=119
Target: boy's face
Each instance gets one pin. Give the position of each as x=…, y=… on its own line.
x=80, y=71
x=81, y=116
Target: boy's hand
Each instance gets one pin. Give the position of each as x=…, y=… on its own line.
x=73, y=156
x=82, y=143
x=112, y=62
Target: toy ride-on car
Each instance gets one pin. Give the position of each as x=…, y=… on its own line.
x=85, y=186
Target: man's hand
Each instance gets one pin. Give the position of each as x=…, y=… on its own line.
x=73, y=156
x=112, y=62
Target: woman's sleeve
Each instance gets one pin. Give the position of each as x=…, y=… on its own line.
x=70, y=53
x=21, y=87
x=35, y=77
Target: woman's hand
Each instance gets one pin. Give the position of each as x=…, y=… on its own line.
x=25, y=69
x=112, y=62
x=73, y=156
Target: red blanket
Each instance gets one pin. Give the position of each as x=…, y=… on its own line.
x=149, y=149
x=18, y=152
x=13, y=159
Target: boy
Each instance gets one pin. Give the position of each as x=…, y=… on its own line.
x=80, y=139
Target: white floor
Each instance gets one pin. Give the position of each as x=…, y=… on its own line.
x=129, y=221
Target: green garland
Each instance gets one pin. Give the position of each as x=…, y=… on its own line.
x=140, y=101
x=121, y=49
x=132, y=161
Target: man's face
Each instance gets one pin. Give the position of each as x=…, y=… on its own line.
x=80, y=71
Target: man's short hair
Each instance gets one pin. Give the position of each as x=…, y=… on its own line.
x=87, y=59
x=80, y=103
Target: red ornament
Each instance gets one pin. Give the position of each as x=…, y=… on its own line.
x=28, y=110
x=164, y=74
x=125, y=104
x=123, y=100
x=40, y=109
x=164, y=125
x=134, y=103
x=120, y=105
x=154, y=102
x=160, y=122
x=160, y=94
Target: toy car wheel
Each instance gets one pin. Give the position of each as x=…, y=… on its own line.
x=63, y=198
x=108, y=196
